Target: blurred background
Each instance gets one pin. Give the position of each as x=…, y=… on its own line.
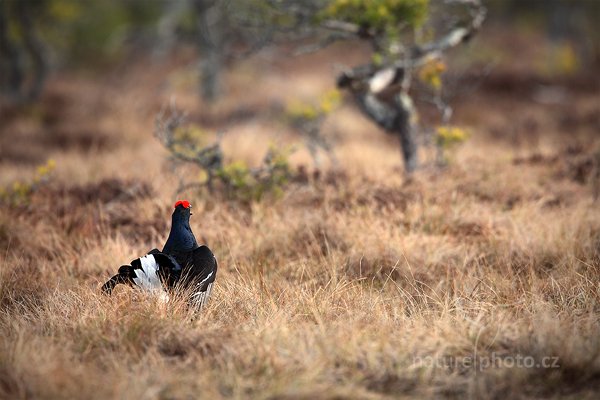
x=83, y=81
x=382, y=181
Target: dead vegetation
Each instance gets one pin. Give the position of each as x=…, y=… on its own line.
x=338, y=288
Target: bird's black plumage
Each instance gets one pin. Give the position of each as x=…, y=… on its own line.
x=181, y=262
x=199, y=273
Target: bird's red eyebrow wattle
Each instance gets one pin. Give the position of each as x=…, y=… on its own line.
x=184, y=203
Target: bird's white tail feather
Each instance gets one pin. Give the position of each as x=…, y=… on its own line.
x=201, y=298
x=147, y=277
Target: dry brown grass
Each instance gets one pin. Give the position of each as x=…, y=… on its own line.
x=334, y=290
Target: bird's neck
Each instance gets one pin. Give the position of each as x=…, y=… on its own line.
x=180, y=238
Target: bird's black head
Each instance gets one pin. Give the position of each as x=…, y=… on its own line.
x=182, y=211
x=181, y=238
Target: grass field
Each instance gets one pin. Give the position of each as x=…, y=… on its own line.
x=479, y=280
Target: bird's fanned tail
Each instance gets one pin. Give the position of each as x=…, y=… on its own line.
x=151, y=272
x=199, y=299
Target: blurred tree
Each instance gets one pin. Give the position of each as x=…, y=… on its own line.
x=74, y=33
x=401, y=34
x=23, y=61
x=211, y=23
x=572, y=22
x=222, y=30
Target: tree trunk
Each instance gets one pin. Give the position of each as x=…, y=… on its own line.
x=36, y=51
x=17, y=57
x=167, y=27
x=398, y=118
x=210, y=42
x=11, y=62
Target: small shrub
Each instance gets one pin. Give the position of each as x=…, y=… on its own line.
x=20, y=191
x=447, y=138
x=247, y=184
x=238, y=180
x=308, y=118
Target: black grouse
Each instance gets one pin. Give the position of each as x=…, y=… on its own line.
x=181, y=263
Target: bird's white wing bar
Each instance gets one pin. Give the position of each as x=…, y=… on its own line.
x=205, y=279
x=147, y=277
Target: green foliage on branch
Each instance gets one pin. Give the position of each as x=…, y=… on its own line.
x=381, y=15
x=431, y=74
x=308, y=117
x=298, y=112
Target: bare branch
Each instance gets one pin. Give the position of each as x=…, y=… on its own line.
x=208, y=158
x=323, y=43
x=341, y=26
x=456, y=35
